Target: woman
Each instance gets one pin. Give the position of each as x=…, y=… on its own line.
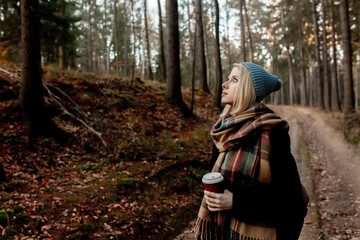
x=263, y=197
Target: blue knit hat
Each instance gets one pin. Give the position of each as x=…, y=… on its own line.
x=264, y=82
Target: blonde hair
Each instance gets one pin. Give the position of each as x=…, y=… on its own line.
x=245, y=94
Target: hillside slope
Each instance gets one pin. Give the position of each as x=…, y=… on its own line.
x=130, y=169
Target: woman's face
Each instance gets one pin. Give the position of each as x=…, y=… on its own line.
x=229, y=87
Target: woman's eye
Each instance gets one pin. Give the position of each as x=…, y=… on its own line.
x=235, y=79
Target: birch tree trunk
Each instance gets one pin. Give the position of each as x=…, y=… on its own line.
x=349, y=101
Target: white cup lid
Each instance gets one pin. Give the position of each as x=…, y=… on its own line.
x=212, y=178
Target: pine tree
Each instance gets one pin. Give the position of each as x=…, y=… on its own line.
x=173, y=81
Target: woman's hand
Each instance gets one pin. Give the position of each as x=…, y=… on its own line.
x=219, y=201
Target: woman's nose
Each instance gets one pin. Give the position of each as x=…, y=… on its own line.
x=224, y=85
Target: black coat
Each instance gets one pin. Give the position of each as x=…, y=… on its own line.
x=280, y=202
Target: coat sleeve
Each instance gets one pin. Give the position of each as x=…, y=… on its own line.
x=280, y=202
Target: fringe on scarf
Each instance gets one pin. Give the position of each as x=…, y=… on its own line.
x=207, y=230
x=237, y=236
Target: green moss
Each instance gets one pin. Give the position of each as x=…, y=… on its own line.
x=127, y=182
x=117, y=175
x=11, y=212
x=72, y=199
x=83, y=167
x=18, y=183
x=6, y=197
x=201, y=134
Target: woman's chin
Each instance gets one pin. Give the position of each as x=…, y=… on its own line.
x=226, y=103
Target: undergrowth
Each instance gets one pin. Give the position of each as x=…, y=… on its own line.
x=145, y=183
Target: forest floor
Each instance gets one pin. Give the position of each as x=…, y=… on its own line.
x=145, y=183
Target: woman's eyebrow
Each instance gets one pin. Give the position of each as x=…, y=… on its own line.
x=235, y=75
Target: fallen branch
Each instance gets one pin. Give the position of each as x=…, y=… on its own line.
x=77, y=108
x=57, y=100
x=72, y=115
x=15, y=76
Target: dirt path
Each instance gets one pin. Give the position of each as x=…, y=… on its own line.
x=329, y=169
x=298, y=148
x=335, y=166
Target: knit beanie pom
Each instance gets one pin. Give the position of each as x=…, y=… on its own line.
x=264, y=82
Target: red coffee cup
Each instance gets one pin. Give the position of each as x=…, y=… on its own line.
x=213, y=182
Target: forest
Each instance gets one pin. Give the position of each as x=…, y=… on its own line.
x=102, y=103
x=313, y=46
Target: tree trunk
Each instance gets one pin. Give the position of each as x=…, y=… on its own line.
x=61, y=57
x=228, y=37
x=201, y=61
x=134, y=45
x=193, y=74
x=335, y=100
x=311, y=82
x=325, y=61
x=151, y=76
x=249, y=34
x=192, y=53
x=349, y=101
x=125, y=64
x=162, y=53
x=218, y=68
x=242, y=30
x=116, y=40
x=105, y=46
x=173, y=81
x=61, y=37
x=303, y=93
x=292, y=89
x=35, y=118
x=90, y=50
x=318, y=58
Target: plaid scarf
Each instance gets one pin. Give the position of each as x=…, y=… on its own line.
x=244, y=149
